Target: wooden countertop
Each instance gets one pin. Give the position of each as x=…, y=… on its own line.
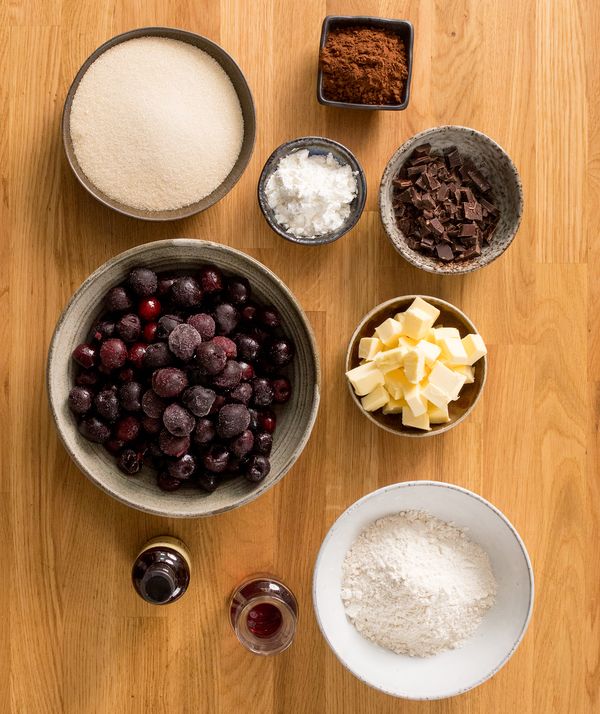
x=78, y=640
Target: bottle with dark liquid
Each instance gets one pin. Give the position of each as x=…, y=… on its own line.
x=161, y=572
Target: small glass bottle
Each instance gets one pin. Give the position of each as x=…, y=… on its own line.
x=161, y=572
x=263, y=613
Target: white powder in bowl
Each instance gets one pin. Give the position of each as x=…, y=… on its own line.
x=416, y=585
x=310, y=194
x=156, y=123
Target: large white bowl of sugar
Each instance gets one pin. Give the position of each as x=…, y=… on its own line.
x=453, y=671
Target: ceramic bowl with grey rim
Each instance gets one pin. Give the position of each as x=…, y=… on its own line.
x=450, y=316
x=246, y=102
x=453, y=671
x=295, y=419
x=316, y=145
x=494, y=164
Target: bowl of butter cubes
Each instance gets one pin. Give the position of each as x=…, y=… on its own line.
x=416, y=365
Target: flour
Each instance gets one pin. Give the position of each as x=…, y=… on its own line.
x=310, y=194
x=416, y=585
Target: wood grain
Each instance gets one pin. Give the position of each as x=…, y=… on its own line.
x=75, y=638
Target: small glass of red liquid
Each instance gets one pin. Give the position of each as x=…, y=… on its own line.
x=263, y=613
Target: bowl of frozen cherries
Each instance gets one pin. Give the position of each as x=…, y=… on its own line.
x=183, y=377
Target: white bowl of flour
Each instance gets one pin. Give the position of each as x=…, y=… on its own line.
x=428, y=569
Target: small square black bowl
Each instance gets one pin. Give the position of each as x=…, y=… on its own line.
x=403, y=28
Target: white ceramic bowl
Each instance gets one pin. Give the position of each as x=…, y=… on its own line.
x=455, y=671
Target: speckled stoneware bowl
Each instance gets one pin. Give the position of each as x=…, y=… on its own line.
x=497, y=167
x=322, y=146
x=450, y=316
x=246, y=102
x=295, y=419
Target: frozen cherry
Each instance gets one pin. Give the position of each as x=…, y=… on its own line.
x=228, y=345
x=151, y=425
x=169, y=382
x=226, y=318
x=165, y=285
x=253, y=419
x=130, y=461
x=165, y=325
x=186, y=292
x=87, y=378
x=238, y=291
x=216, y=459
x=268, y=317
x=248, y=347
x=263, y=443
x=211, y=279
x=232, y=420
x=114, y=446
x=247, y=371
x=127, y=428
x=242, y=393
x=85, y=355
x=113, y=353
x=249, y=314
x=257, y=468
x=129, y=327
x=149, y=309
x=117, y=300
x=150, y=331
x=211, y=357
x=103, y=330
x=230, y=375
x=130, y=396
x=208, y=481
x=183, y=468
x=107, y=405
x=94, y=430
x=143, y=282
x=262, y=392
x=80, y=400
x=136, y=354
x=198, y=400
x=166, y=482
x=173, y=445
x=152, y=405
x=204, y=324
x=267, y=420
x=183, y=341
x=178, y=421
x=279, y=352
x=157, y=355
x=282, y=390
x=204, y=432
x=217, y=404
x=126, y=374
x=242, y=444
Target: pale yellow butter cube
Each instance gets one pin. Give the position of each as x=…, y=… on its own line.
x=415, y=401
x=396, y=383
x=390, y=359
x=438, y=415
x=466, y=370
x=399, y=317
x=414, y=366
x=368, y=347
x=375, y=399
x=365, y=378
x=440, y=332
x=434, y=395
x=394, y=406
x=430, y=351
x=474, y=347
x=453, y=351
x=446, y=380
x=419, y=319
x=418, y=422
x=389, y=331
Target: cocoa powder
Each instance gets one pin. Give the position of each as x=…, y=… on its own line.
x=363, y=65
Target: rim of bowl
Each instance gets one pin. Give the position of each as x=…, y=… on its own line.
x=454, y=487
x=444, y=427
x=174, y=243
x=361, y=196
x=234, y=175
x=387, y=176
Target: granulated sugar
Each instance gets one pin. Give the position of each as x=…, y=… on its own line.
x=156, y=123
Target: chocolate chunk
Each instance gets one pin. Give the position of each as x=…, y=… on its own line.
x=468, y=229
x=436, y=226
x=444, y=252
x=442, y=193
x=422, y=150
x=415, y=170
x=472, y=211
x=479, y=181
x=454, y=158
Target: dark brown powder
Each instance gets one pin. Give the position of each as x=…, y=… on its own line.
x=364, y=65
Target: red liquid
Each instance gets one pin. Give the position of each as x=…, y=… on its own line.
x=264, y=620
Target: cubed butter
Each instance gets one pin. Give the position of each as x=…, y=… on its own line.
x=414, y=366
x=438, y=415
x=365, y=378
x=394, y=406
x=419, y=318
x=474, y=347
x=415, y=401
x=375, y=400
x=396, y=383
x=434, y=395
x=440, y=332
x=368, y=347
x=418, y=422
x=453, y=350
x=467, y=371
x=446, y=380
x=399, y=317
x=390, y=359
x=389, y=331
x=430, y=351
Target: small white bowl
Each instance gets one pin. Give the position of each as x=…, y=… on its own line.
x=455, y=671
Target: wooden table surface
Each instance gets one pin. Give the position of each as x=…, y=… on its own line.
x=77, y=638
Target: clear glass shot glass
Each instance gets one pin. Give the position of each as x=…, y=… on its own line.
x=263, y=613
